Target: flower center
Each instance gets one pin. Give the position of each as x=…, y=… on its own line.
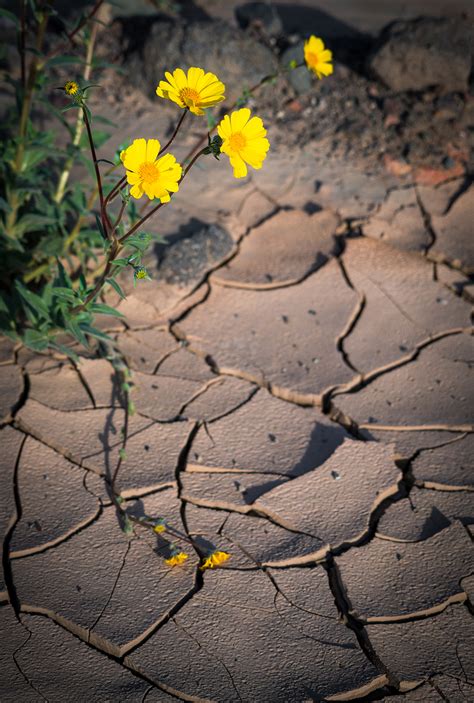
x=189, y=95
x=312, y=59
x=237, y=141
x=71, y=88
x=148, y=172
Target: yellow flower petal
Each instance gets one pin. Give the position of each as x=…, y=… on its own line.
x=134, y=154
x=176, y=559
x=152, y=149
x=239, y=119
x=180, y=78
x=315, y=44
x=155, y=178
x=224, y=128
x=195, y=90
x=254, y=128
x=136, y=191
x=239, y=165
x=194, y=74
x=243, y=141
x=318, y=58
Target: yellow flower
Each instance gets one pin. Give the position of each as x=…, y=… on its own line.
x=159, y=527
x=196, y=91
x=146, y=174
x=215, y=559
x=71, y=88
x=317, y=57
x=243, y=140
x=176, y=559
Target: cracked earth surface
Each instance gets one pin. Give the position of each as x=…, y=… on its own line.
x=304, y=396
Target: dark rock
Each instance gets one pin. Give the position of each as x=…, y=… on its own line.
x=237, y=59
x=426, y=52
x=262, y=16
x=188, y=259
x=300, y=78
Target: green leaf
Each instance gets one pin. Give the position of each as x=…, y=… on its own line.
x=65, y=350
x=64, y=294
x=4, y=308
x=33, y=157
x=117, y=288
x=31, y=223
x=34, y=301
x=93, y=332
x=10, y=16
x=99, y=226
x=105, y=120
x=35, y=340
x=69, y=107
x=63, y=276
x=122, y=263
x=65, y=60
x=139, y=241
x=4, y=206
x=74, y=328
x=104, y=309
x=99, y=136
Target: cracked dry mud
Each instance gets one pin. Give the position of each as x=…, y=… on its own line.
x=304, y=400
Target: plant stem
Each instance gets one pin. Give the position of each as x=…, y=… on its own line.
x=106, y=224
x=21, y=45
x=119, y=217
x=27, y=97
x=118, y=244
x=177, y=128
x=124, y=445
x=80, y=120
x=155, y=209
x=64, y=45
x=251, y=91
x=94, y=159
x=115, y=190
x=118, y=186
x=113, y=252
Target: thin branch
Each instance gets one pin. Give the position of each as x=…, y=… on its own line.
x=96, y=167
x=70, y=36
x=63, y=180
x=118, y=186
x=251, y=90
x=22, y=40
x=120, y=215
x=155, y=209
x=123, y=447
x=177, y=128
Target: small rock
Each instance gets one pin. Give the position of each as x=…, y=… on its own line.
x=299, y=78
x=216, y=46
x=261, y=16
x=426, y=52
x=187, y=259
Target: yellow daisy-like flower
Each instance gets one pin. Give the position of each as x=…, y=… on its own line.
x=176, y=559
x=147, y=174
x=71, y=88
x=317, y=57
x=197, y=90
x=214, y=559
x=243, y=140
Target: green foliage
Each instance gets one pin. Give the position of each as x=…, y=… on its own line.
x=51, y=229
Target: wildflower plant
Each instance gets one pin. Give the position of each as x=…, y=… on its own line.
x=61, y=247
